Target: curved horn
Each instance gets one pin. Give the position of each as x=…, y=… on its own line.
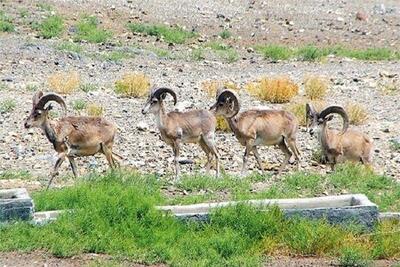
x=162, y=90
x=51, y=97
x=228, y=94
x=36, y=98
x=338, y=110
x=310, y=112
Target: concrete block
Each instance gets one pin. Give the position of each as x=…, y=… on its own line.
x=15, y=204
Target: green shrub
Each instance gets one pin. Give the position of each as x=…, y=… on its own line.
x=7, y=105
x=79, y=104
x=274, y=52
x=69, y=47
x=225, y=34
x=353, y=257
x=174, y=35
x=51, y=27
x=6, y=24
x=88, y=30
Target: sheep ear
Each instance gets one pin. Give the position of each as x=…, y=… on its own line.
x=329, y=118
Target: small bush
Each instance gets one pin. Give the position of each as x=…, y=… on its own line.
x=44, y=7
x=390, y=87
x=357, y=113
x=64, y=82
x=94, y=110
x=197, y=54
x=222, y=125
x=88, y=87
x=133, y=85
x=32, y=87
x=225, y=34
x=174, y=35
x=353, y=257
x=310, y=53
x=7, y=105
x=5, y=23
x=274, y=52
x=51, y=27
x=3, y=86
x=79, y=104
x=211, y=87
x=275, y=90
x=315, y=87
x=69, y=47
x=395, y=144
x=88, y=30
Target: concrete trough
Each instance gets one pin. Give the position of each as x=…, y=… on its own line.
x=344, y=209
x=15, y=204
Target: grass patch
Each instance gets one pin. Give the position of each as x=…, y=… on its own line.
x=225, y=34
x=299, y=109
x=88, y=30
x=3, y=86
x=175, y=35
x=45, y=7
x=395, y=144
x=116, y=56
x=357, y=113
x=79, y=104
x=115, y=215
x=275, y=90
x=197, y=54
x=313, y=53
x=15, y=174
x=224, y=52
x=6, y=24
x=64, y=82
x=7, y=105
x=211, y=86
x=69, y=47
x=88, y=87
x=161, y=53
x=133, y=85
x=94, y=109
x=315, y=87
x=51, y=27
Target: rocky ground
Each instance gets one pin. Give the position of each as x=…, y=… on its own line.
x=27, y=61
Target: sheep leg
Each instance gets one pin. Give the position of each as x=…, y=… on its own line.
x=109, y=156
x=73, y=166
x=209, y=141
x=293, y=147
x=175, y=148
x=245, y=156
x=205, y=148
x=54, y=173
x=258, y=158
x=282, y=145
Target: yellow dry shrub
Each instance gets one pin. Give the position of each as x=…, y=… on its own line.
x=211, y=87
x=357, y=113
x=94, y=109
x=275, y=90
x=133, y=85
x=299, y=109
x=222, y=125
x=316, y=87
x=64, y=82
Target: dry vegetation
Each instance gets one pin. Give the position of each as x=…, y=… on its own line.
x=64, y=82
x=94, y=109
x=133, y=85
x=275, y=90
x=299, y=109
x=211, y=87
x=222, y=125
x=357, y=113
x=315, y=87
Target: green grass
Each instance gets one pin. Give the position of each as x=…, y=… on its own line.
x=225, y=34
x=88, y=87
x=175, y=35
x=51, y=27
x=197, y=54
x=313, y=53
x=395, y=145
x=7, y=105
x=79, y=104
x=114, y=214
x=161, y=53
x=69, y=47
x=88, y=30
x=45, y=7
x=15, y=174
x=116, y=56
x=224, y=52
x=6, y=24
